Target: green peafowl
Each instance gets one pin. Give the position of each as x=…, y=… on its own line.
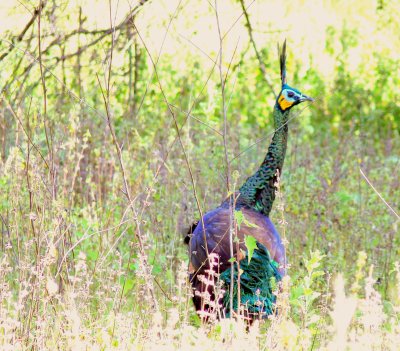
x=210, y=246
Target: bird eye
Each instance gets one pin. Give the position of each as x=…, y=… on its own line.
x=290, y=94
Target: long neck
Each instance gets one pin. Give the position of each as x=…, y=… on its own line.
x=258, y=191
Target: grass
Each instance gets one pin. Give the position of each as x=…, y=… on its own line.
x=95, y=189
x=65, y=320
x=86, y=290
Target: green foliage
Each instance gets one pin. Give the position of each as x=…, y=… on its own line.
x=65, y=219
x=241, y=219
x=304, y=295
x=251, y=245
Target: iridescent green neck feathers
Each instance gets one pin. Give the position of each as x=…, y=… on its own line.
x=258, y=191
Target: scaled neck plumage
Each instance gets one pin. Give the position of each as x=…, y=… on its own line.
x=258, y=192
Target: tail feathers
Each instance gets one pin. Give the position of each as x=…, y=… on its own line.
x=257, y=282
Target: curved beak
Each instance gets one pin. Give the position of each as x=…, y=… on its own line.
x=305, y=98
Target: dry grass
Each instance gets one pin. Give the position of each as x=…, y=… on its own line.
x=92, y=202
x=63, y=321
x=54, y=297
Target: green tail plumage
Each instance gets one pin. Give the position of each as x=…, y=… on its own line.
x=256, y=284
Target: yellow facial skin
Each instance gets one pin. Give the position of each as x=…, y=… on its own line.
x=283, y=103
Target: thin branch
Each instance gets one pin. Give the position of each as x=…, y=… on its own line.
x=21, y=35
x=227, y=162
x=378, y=193
x=127, y=189
x=230, y=62
x=104, y=32
x=260, y=61
x=56, y=41
x=188, y=114
x=25, y=132
x=179, y=138
x=48, y=69
x=45, y=120
x=198, y=48
x=196, y=119
x=268, y=135
x=158, y=56
x=236, y=21
x=84, y=237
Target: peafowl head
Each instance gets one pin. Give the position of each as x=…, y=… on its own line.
x=288, y=97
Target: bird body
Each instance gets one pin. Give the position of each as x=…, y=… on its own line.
x=217, y=224
x=215, y=227
x=211, y=249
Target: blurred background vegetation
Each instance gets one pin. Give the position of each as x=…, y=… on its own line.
x=63, y=202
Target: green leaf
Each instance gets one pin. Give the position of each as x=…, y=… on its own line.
x=273, y=283
x=249, y=224
x=317, y=274
x=240, y=218
x=251, y=244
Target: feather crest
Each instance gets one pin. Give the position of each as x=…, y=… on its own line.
x=282, y=59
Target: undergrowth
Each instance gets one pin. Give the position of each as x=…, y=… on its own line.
x=96, y=193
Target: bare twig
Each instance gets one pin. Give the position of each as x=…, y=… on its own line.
x=103, y=33
x=178, y=131
x=227, y=163
x=48, y=69
x=158, y=56
x=198, y=48
x=26, y=132
x=197, y=119
x=47, y=131
x=260, y=61
x=21, y=35
x=127, y=190
x=236, y=21
x=379, y=194
x=294, y=115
